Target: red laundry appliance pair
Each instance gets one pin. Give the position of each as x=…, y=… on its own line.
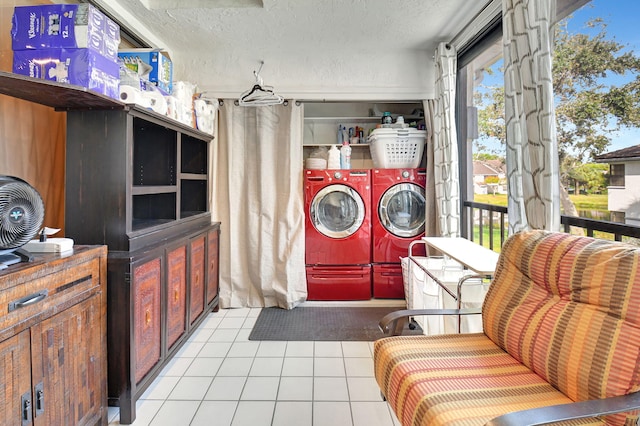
x=338, y=234
x=398, y=200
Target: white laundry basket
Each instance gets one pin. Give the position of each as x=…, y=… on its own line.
x=397, y=148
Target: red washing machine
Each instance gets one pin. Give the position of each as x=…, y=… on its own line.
x=399, y=202
x=338, y=234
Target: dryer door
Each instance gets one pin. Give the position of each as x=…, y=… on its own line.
x=402, y=210
x=337, y=211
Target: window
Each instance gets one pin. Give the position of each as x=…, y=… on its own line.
x=618, y=217
x=596, y=106
x=479, y=80
x=616, y=175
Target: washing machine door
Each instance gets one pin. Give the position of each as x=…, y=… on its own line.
x=337, y=211
x=402, y=210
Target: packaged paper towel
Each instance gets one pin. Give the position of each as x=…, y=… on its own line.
x=68, y=26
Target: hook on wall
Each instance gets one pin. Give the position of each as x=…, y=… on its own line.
x=259, y=94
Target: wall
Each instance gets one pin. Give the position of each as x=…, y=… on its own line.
x=32, y=136
x=344, y=75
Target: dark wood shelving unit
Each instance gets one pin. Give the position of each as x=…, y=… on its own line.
x=137, y=182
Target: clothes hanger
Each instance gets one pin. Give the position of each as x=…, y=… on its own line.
x=259, y=94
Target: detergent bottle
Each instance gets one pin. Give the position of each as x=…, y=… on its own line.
x=345, y=155
x=333, y=158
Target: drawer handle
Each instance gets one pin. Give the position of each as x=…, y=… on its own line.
x=28, y=300
x=176, y=295
x=147, y=317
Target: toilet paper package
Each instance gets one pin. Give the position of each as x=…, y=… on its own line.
x=205, y=115
x=82, y=67
x=133, y=95
x=184, y=92
x=149, y=97
x=156, y=101
x=68, y=26
x=172, y=107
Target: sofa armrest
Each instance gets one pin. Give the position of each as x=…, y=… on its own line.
x=576, y=410
x=393, y=323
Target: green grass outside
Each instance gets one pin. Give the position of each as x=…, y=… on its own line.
x=486, y=242
x=582, y=202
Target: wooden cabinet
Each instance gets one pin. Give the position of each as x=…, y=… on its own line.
x=139, y=183
x=53, y=340
x=158, y=297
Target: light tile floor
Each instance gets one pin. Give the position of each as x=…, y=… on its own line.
x=221, y=378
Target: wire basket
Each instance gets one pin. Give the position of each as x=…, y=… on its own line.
x=397, y=148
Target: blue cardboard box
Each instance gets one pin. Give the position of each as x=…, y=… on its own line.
x=153, y=65
x=82, y=67
x=66, y=26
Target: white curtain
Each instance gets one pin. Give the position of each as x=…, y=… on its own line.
x=532, y=150
x=432, y=222
x=445, y=144
x=258, y=199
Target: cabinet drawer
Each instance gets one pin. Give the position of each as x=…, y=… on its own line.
x=213, y=262
x=146, y=312
x=197, y=278
x=27, y=302
x=176, y=294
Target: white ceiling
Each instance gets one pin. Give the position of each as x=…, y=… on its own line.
x=311, y=48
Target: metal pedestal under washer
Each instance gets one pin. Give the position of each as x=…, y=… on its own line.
x=399, y=203
x=338, y=234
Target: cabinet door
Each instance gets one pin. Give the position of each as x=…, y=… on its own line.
x=147, y=280
x=68, y=366
x=15, y=380
x=212, y=262
x=197, y=278
x=176, y=294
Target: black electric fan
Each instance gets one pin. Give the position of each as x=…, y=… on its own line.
x=21, y=217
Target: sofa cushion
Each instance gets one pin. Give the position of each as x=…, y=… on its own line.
x=459, y=379
x=568, y=308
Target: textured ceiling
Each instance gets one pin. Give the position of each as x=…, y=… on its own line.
x=247, y=31
x=303, y=24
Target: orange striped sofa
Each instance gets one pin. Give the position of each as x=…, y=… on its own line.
x=561, y=328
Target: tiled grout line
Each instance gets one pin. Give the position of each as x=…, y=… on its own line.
x=343, y=350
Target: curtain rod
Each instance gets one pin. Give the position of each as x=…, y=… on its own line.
x=460, y=33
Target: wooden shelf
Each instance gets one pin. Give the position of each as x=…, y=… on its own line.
x=60, y=96
x=357, y=119
x=357, y=145
x=68, y=97
x=345, y=119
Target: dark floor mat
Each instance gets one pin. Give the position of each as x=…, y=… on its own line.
x=322, y=323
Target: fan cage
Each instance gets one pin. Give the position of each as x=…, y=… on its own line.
x=21, y=213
